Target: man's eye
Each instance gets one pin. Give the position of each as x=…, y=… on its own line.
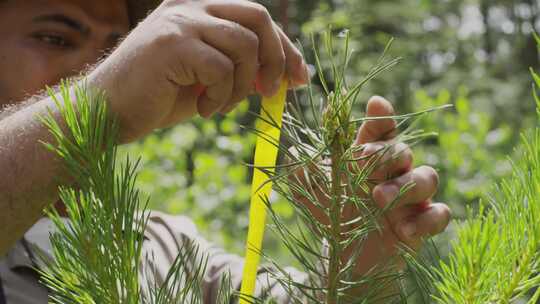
x=54, y=40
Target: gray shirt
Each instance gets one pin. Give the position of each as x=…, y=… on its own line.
x=164, y=238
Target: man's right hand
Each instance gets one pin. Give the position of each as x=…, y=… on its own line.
x=191, y=57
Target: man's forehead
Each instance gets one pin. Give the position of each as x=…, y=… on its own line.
x=113, y=13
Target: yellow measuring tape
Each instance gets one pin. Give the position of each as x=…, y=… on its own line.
x=265, y=157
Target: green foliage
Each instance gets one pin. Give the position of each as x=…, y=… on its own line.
x=495, y=258
x=97, y=253
x=101, y=209
x=486, y=45
x=470, y=151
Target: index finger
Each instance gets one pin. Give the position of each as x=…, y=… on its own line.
x=378, y=129
x=256, y=18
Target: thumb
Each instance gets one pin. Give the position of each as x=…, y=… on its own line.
x=379, y=129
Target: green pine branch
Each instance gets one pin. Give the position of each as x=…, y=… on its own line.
x=496, y=256
x=97, y=253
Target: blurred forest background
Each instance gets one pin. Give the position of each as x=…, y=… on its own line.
x=474, y=54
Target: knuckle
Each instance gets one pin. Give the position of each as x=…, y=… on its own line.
x=169, y=35
x=404, y=153
x=295, y=59
x=371, y=149
x=252, y=41
x=168, y=29
x=378, y=129
x=166, y=39
x=400, y=148
x=222, y=67
x=261, y=13
x=246, y=40
x=226, y=67
x=226, y=28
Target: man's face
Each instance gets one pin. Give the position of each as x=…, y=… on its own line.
x=43, y=41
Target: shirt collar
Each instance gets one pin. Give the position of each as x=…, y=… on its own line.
x=34, y=243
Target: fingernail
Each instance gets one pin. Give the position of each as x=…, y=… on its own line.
x=389, y=193
x=408, y=229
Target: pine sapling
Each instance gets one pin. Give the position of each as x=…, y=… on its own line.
x=97, y=254
x=323, y=181
x=496, y=256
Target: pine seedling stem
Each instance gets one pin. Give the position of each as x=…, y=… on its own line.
x=336, y=249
